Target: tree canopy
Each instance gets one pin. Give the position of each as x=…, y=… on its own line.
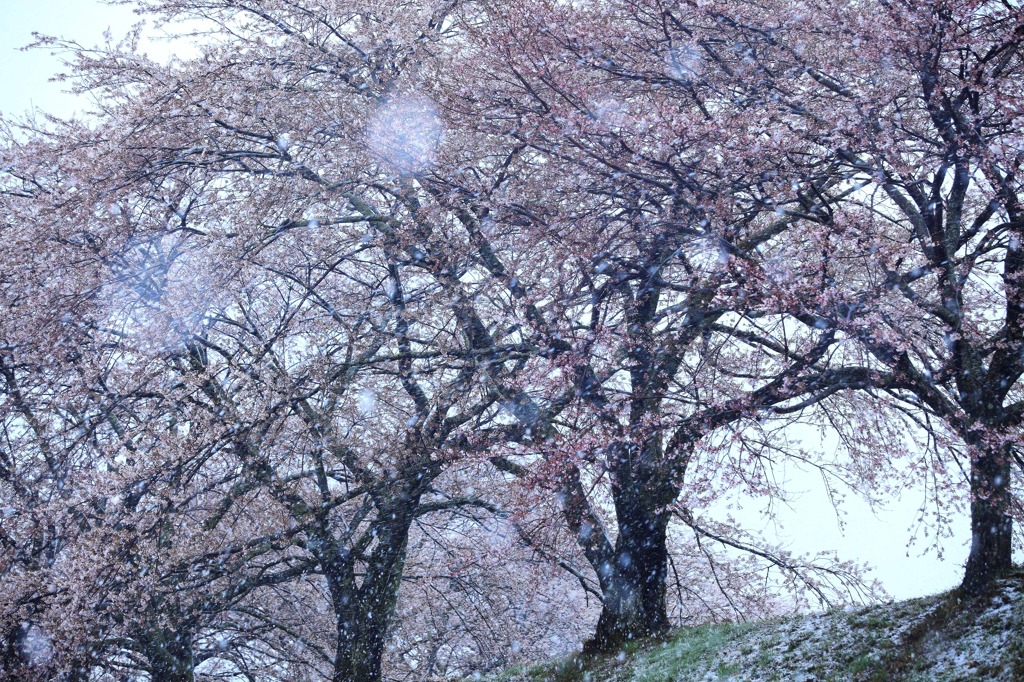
x=400, y=340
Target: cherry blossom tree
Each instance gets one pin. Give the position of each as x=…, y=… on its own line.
x=674, y=208
x=920, y=101
x=278, y=323
x=377, y=318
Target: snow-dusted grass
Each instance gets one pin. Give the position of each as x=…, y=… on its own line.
x=934, y=638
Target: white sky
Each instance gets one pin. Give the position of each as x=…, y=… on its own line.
x=880, y=536
x=24, y=75
x=811, y=524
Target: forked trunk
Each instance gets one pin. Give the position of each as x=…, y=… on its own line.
x=364, y=612
x=633, y=583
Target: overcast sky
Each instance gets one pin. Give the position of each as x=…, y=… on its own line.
x=811, y=523
x=24, y=76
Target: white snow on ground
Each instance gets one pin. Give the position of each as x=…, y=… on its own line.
x=934, y=638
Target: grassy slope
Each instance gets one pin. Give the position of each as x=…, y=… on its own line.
x=934, y=638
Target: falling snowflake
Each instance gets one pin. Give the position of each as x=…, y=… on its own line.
x=406, y=133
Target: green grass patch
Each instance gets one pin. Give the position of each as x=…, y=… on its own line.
x=690, y=650
x=911, y=641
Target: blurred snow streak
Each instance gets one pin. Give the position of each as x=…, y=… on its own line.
x=406, y=132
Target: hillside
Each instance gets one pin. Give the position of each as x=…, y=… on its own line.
x=932, y=638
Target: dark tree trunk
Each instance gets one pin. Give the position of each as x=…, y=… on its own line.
x=362, y=634
x=991, y=526
x=632, y=573
x=364, y=612
x=169, y=653
x=633, y=582
x=359, y=653
x=633, y=579
x=12, y=663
